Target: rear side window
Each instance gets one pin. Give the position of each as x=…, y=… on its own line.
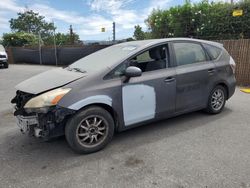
x=188, y=53
x=213, y=51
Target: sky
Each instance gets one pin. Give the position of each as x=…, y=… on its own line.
x=87, y=17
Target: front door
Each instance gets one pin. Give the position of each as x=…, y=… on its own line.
x=152, y=95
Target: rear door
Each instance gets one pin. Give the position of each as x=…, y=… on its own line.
x=194, y=74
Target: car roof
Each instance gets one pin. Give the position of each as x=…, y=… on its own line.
x=152, y=42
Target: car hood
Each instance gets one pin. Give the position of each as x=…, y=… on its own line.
x=3, y=53
x=49, y=80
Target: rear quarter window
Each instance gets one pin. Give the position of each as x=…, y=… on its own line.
x=214, y=52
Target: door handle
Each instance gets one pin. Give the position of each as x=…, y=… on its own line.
x=211, y=70
x=169, y=79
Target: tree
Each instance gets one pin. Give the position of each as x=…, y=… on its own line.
x=19, y=39
x=138, y=33
x=201, y=20
x=62, y=39
x=158, y=23
x=27, y=27
x=31, y=22
x=129, y=39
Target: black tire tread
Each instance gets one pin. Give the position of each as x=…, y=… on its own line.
x=6, y=65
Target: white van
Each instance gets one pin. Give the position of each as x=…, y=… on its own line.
x=3, y=57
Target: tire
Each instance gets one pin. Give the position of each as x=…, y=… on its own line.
x=6, y=65
x=83, y=130
x=217, y=100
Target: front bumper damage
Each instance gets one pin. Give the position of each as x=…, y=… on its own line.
x=43, y=123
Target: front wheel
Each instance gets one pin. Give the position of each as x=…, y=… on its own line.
x=6, y=65
x=89, y=130
x=217, y=100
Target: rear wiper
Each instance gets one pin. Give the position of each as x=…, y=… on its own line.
x=76, y=69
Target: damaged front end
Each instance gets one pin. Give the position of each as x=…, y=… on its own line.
x=43, y=121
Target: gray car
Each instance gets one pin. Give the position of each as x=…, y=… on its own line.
x=124, y=86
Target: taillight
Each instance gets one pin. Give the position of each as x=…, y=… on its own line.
x=232, y=64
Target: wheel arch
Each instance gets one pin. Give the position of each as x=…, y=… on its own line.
x=223, y=84
x=103, y=101
x=106, y=107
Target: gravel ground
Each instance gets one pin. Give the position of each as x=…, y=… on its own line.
x=192, y=150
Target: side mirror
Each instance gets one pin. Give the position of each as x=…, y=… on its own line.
x=133, y=72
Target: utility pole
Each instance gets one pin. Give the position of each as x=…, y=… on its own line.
x=40, y=48
x=232, y=1
x=71, y=34
x=54, y=34
x=113, y=31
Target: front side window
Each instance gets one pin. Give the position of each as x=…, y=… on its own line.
x=153, y=59
x=150, y=60
x=188, y=53
x=119, y=71
x=144, y=57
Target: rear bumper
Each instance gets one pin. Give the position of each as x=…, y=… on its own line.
x=231, y=87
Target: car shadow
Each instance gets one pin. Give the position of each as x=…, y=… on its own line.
x=56, y=154
x=167, y=128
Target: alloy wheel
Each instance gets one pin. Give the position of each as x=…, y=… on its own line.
x=92, y=131
x=217, y=100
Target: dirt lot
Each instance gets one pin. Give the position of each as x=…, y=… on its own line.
x=193, y=150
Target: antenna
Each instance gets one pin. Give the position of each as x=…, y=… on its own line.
x=71, y=34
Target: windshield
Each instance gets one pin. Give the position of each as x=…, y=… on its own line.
x=104, y=58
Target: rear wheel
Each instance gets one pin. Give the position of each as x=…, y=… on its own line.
x=217, y=100
x=89, y=130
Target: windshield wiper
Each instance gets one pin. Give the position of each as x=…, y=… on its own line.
x=76, y=69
